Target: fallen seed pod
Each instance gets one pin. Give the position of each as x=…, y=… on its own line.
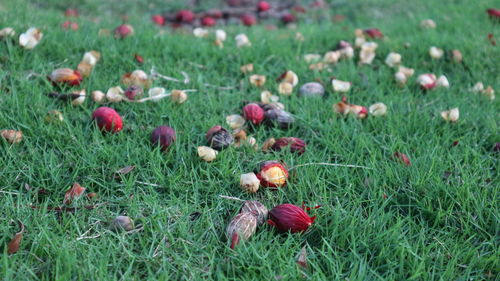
x=427, y=81
x=296, y=145
x=206, y=153
x=289, y=77
x=272, y=174
x=378, y=109
x=341, y=86
x=122, y=223
x=393, y=59
x=279, y=117
x=249, y=182
x=267, y=97
x=123, y=31
x=285, y=88
x=345, y=49
x=235, y=121
x=80, y=97
x=257, y=209
x=442, y=81
x=65, y=75
x=12, y=136
x=133, y=92
x=138, y=78
x=435, y=52
x=373, y=33
x=98, y=96
x=332, y=57
x=218, y=138
x=288, y=217
x=163, y=136
x=178, y=96
x=451, y=115
x=312, y=89
x=253, y=113
x=30, y=38
x=241, y=227
x=107, y=119
x=115, y=94
x=266, y=146
x=367, y=53
x=402, y=158
x=257, y=80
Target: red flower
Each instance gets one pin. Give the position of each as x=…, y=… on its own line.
x=288, y=217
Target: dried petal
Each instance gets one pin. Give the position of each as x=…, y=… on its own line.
x=373, y=33
x=268, y=144
x=138, y=78
x=408, y=72
x=442, y=81
x=12, y=136
x=98, y=96
x=457, y=56
x=400, y=78
x=15, y=243
x=73, y=193
x=402, y=158
x=257, y=80
x=179, y=96
x=66, y=75
x=249, y=182
x=115, y=94
x=247, y=68
x=7, y=32
x=30, y=38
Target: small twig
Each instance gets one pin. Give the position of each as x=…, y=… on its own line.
x=156, y=253
x=8, y=192
x=68, y=209
x=150, y=184
x=224, y=88
x=141, y=227
x=196, y=65
x=88, y=237
x=154, y=98
x=330, y=164
x=230, y=198
x=186, y=77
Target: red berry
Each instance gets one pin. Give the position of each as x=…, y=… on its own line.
x=158, y=19
x=184, y=16
x=263, y=6
x=208, y=21
x=288, y=217
x=107, y=119
x=253, y=113
x=288, y=18
x=248, y=20
x=164, y=136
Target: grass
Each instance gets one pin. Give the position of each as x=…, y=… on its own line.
x=390, y=222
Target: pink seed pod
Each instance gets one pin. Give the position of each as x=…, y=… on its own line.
x=253, y=113
x=107, y=119
x=123, y=31
x=288, y=217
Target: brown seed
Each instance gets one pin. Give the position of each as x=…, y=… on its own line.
x=241, y=227
x=12, y=136
x=257, y=208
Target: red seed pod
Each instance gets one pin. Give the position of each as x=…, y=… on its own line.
x=257, y=209
x=184, y=16
x=215, y=13
x=123, y=31
x=248, y=20
x=288, y=18
x=494, y=13
x=208, y=21
x=272, y=174
x=373, y=33
x=139, y=58
x=288, y=217
x=163, y=136
x=241, y=227
x=108, y=119
x=296, y=145
x=158, y=19
x=219, y=138
x=263, y=6
x=402, y=157
x=253, y=113
x=132, y=92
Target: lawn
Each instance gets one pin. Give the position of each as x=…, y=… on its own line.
x=437, y=219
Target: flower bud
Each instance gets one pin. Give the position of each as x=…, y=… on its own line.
x=288, y=217
x=54, y=116
x=163, y=136
x=178, y=96
x=115, y=94
x=435, y=52
x=279, y=117
x=450, y=115
x=341, y=86
x=137, y=78
x=257, y=80
x=132, y=92
x=122, y=223
x=12, y=136
x=285, y=88
x=98, y=96
x=296, y=145
x=249, y=182
x=80, y=97
x=206, y=153
x=30, y=38
x=289, y=77
x=65, y=75
x=242, y=41
x=442, y=81
x=393, y=59
x=378, y=109
x=241, y=227
x=428, y=23
x=312, y=89
x=247, y=68
x=235, y=121
x=107, y=119
x=257, y=209
x=219, y=138
x=402, y=158
x=373, y=33
x=272, y=174
x=427, y=81
x=253, y=113
x=367, y=53
x=123, y=31
x=332, y=57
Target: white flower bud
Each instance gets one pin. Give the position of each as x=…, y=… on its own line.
x=378, y=109
x=249, y=182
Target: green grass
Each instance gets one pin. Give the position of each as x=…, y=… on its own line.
x=428, y=228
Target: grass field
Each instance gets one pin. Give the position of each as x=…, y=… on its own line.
x=435, y=220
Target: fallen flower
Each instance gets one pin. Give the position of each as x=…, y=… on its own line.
x=80, y=97
x=115, y=94
x=428, y=23
x=253, y=113
x=309, y=58
x=393, y=59
x=288, y=217
x=54, y=116
x=163, y=136
x=289, y=77
x=15, y=243
x=435, y=52
x=341, y=86
x=73, y=193
x=312, y=89
x=235, y=121
x=12, y=136
x=494, y=13
x=70, y=25
x=30, y=38
x=249, y=182
x=158, y=19
x=442, y=81
x=219, y=138
x=285, y=88
x=427, y=81
x=296, y=145
x=107, y=119
x=206, y=153
x=378, y=109
x=456, y=56
x=272, y=174
x=247, y=68
x=137, y=77
x=257, y=80
x=122, y=223
x=98, y=96
x=373, y=33
x=367, y=53
x=242, y=41
x=184, y=16
x=402, y=157
x=267, y=97
x=178, y=96
x=200, y=32
x=451, y=115
x=65, y=75
x=123, y=31
x=345, y=49
x=7, y=32
x=248, y=20
x=332, y=57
